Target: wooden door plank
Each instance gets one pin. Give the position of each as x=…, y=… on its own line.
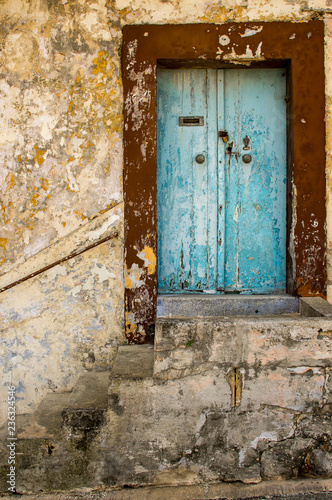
x=182, y=187
x=221, y=181
x=256, y=222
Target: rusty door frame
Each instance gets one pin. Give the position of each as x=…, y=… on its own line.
x=299, y=47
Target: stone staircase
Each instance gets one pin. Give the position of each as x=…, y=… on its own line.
x=219, y=397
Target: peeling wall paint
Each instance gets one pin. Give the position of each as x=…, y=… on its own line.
x=62, y=159
x=64, y=321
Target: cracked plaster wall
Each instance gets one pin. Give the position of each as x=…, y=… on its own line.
x=61, y=154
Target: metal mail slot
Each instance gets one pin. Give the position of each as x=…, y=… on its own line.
x=191, y=121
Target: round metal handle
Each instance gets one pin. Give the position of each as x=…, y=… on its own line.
x=246, y=158
x=200, y=159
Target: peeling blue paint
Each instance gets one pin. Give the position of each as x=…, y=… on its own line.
x=221, y=221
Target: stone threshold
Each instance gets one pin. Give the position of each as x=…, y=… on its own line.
x=199, y=305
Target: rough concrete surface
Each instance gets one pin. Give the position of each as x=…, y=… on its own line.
x=290, y=490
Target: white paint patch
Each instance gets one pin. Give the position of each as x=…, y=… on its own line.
x=259, y=50
x=236, y=213
x=48, y=124
x=143, y=149
x=248, y=54
x=134, y=275
x=224, y=40
x=101, y=271
x=252, y=31
x=97, y=233
x=219, y=53
x=52, y=274
x=270, y=436
x=242, y=456
x=199, y=426
x=304, y=369
x=292, y=37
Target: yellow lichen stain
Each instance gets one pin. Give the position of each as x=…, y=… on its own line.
x=151, y=258
x=130, y=327
x=30, y=220
x=80, y=75
x=103, y=64
x=34, y=199
x=70, y=106
x=39, y=158
x=86, y=145
x=111, y=205
x=128, y=282
x=19, y=158
x=3, y=243
x=4, y=210
x=64, y=224
x=10, y=180
x=45, y=183
x=80, y=214
x=68, y=188
x=132, y=276
x=215, y=13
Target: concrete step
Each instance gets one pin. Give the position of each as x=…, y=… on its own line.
x=186, y=346
x=133, y=361
x=85, y=411
x=46, y=421
x=54, y=442
x=200, y=305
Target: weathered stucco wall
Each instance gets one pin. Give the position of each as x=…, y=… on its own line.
x=66, y=319
x=61, y=170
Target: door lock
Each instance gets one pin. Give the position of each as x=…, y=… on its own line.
x=246, y=142
x=223, y=134
x=229, y=151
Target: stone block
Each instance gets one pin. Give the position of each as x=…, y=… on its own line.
x=285, y=460
x=289, y=343
x=185, y=346
x=321, y=463
x=314, y=307
x=299, y=388
x=317, y=425
x=152, y=424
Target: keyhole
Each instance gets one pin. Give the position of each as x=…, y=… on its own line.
x=229, y=148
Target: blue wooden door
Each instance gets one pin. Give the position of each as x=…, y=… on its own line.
x=221, y=180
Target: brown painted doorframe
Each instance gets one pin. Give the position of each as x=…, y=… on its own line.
x=300, y=47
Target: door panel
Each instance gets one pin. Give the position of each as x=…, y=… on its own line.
x=221, y=223
x=255, y=233
x=186, y=249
